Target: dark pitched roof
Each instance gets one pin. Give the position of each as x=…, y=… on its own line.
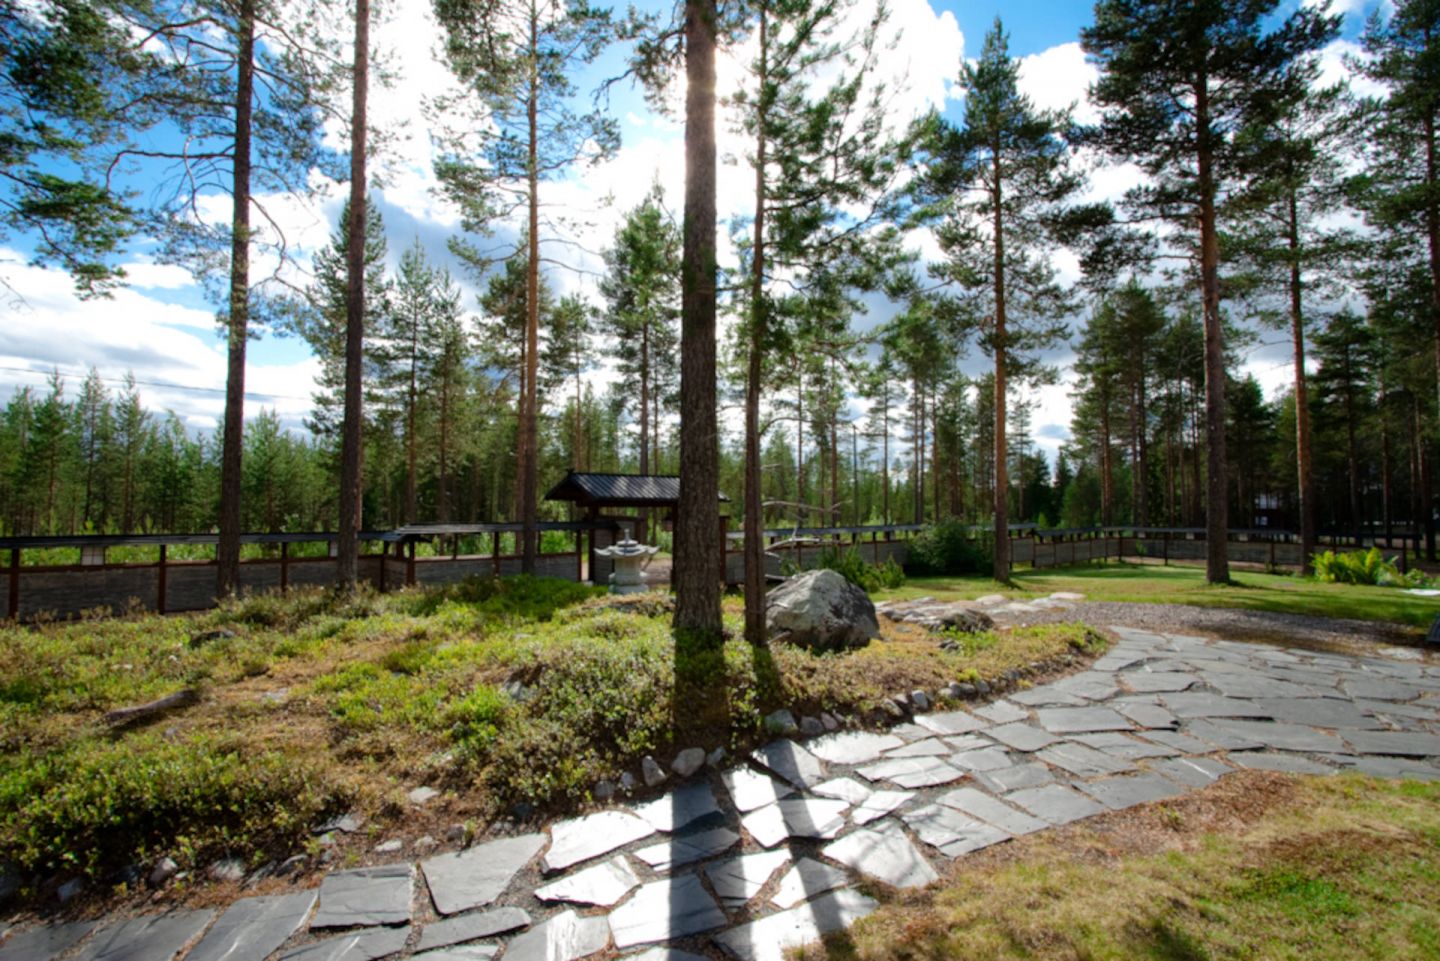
x=618, y=490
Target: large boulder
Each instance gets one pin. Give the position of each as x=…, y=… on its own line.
x=821, y=610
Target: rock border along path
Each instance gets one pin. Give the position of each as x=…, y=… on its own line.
x=699, y=873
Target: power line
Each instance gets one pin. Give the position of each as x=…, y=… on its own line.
x=157, y=383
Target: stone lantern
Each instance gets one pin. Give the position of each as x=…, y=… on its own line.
x=628, y=556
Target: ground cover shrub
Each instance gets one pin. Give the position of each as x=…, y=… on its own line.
x=1364, y=567
x=949, y=548
x=96, y=805
x=521, y=597
x=867, y=576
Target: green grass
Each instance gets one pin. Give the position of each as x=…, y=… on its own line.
x=499, y=691
x=1343, y=867
x=1154, y=584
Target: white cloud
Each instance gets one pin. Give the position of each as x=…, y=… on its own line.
x=1060, y=78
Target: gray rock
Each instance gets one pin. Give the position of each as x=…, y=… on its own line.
x=716, y=757
x=980, y=805
x=604, y=790
x=879, y=804
x=254, y=928
x=688, y=761
x=982, y=686
x=70, y=890
x=477, y=876
x=367, y=945
x=164, y=870
x=886, y=855
x=155, y=938
x=769, y=938
x=627, y=782
x=791, y=762
x=651, y=770
x=456, y=834
x=822, y=611
x=581, y=839
x=805, y=880
x=1055, y=803
x=936, y=616
x=422, y=796
x=44, y=942
x=366, y=896
x=737, y=880
x=829, y=722
x=664, y=911
x=966, y=689
x=853, y=747
x=290, y=865
x=345, y=823
x=565, y=937
x=750, y=790
x=686, y=849
x=604, y=884
x=780, y=723
x=811, y=726
x=920, y=700
x=1119, y=793
x=393, y=846
x=680, y=808
x=799, y=817
x=468, y=927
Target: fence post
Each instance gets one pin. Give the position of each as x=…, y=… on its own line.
x=285, y=567
x=1272, y=555
x=14, y=605
x=410, y=566
x=495, y=551
x=160, y=577
x=1166, y=543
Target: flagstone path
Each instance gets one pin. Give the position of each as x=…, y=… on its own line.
x=746, y=862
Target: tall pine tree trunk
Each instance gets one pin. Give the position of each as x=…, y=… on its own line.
x=227, y=550
x=529, y=471
x=697, y=570
x=754, y=546
x=412, y=397
x=644, y=412
x=347, y=560
x=1002, y=518
x=1304, y=461
x=1217, y=559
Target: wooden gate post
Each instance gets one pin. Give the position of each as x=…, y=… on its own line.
x=160, y=578
x=14, y=613
x=285, y=568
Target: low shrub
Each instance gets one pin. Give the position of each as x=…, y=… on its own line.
x=1363, y=567
x=868, y=577
x=950, y=548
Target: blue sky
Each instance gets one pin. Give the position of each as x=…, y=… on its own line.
x=162, y=327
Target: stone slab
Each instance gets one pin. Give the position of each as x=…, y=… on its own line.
x=969, y=742
x=1194, y=772
x=912, y=772
x=1123, y=745
x=45, y=942
x=1402, y=743
x=769, y=938
x=1257, y=686
x=564, y=937
x=1046, y=696
x=985, y=759
x=1081, y=720
x=665, y=954
x=1055, y=803
x=461, y=952
x=1021, y=737
x=476, y=876
x=1284, y=763
x=843, y=789
x=951, y=722
x=1380, y=689
x=737, y=880
x=1194, y=704
x=366, y=896
x=820, y=818
x=791, y=762
x=680, y=808
x=1119, y=793
x=750, y=789
x=1225, y=738
x=1147, y=715
x=687, y=848
x=604, y=884
x=1147, y=682
x=879, y=804
x=929, y=747
x=367, y=945
x=1284, y=737
x=1392, y=767
x=1023, y=775
x=886, y=855
x=852, y=747
x=953, y=832
x=1183, y=743
x=980, y=805
x=665, y=910
x=581, y=839
x=1002, y=712
x=469, y=927
x=252, y=929
x=1083, y=761
x=807, y=879
x=154, y=938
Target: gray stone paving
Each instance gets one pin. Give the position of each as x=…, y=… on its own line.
x=760, y=856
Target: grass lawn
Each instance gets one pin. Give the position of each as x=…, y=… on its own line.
x=1147, y=583
x=495, y=692
x=1259, y=866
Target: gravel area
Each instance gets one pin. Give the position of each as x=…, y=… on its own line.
x=1361, y=638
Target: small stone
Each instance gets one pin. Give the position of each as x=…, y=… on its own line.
x=421, y=796
x=688, y=761
x=326, y=840
x=261, y=873
x=70, y=890
x=523, y=810
x=652, y=771
x=982, y=686
x=966, y=689
x=205, y=637
x=781, y=722
x=347, y=823
x=390, y=847
x=811, y=726
x=828, y=720
x=456, y=834
x=164, y=870
x=716, y=757
x=921, y=700
x=290, y=865
x=889, y=710
x=425, y=844
x=627, y=782
x=227, y=869
x=604, y=790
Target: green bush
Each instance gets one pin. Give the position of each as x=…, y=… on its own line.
x=949, y=548
x=99, y=805
x=1352, y=567
x=868, y=577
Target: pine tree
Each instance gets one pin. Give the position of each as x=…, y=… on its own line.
x=1000, y=183
x=1179, y=79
